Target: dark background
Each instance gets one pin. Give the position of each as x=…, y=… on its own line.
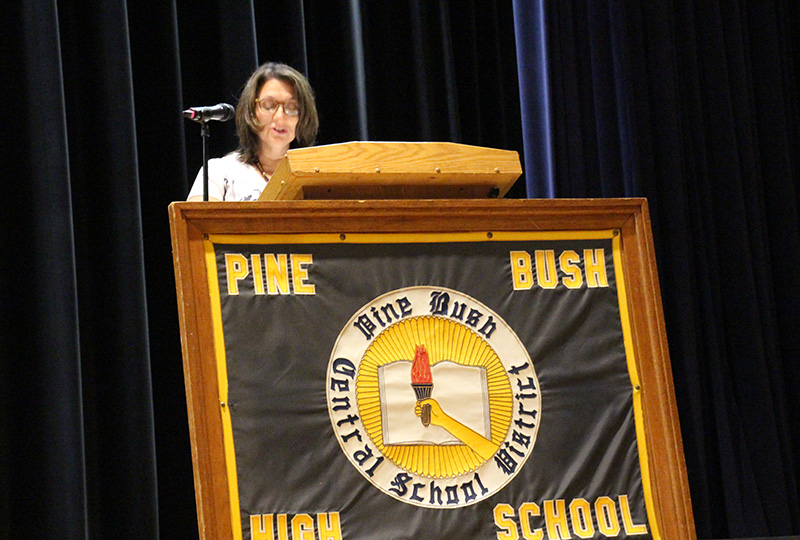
x=692, y=104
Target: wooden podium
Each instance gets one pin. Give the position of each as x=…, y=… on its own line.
x=223, y=253
x=392, y=170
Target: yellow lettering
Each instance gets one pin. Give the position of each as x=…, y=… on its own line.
x=503, y=519
x=258, y=274
x=235, y=269
x=580, y=513
x=555, y=518
x=283, y=531
x=582, y=519
x=627, y=520
x=302, y=527
x=606, y=512
x=277, y=273
x=595, y=261
x=546, y=274
x=527, y=510
x=568, y=261
x=571, y=270
x=521, y=274
x=300, y=274
x=261, y=527
x=329, y=527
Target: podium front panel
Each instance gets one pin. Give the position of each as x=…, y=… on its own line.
x=428, y=377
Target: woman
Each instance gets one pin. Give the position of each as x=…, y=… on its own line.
x=276, y=108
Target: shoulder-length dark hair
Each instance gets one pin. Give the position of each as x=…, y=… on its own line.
x=247, y=125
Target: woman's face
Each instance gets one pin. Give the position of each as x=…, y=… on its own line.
x=277, y=127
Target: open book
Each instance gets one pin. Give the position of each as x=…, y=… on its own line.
x=462, y=392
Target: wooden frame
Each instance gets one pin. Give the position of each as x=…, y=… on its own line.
x=190, y=222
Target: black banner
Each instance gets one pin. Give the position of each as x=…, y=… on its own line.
x=428, y=387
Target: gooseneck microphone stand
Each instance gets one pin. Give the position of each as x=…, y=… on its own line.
x=205, y=132
x=221, y=112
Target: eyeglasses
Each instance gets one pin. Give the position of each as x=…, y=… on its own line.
x=271, y=106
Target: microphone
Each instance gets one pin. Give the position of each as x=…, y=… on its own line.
x=221, y=112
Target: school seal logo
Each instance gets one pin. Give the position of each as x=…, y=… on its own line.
x=432, y=397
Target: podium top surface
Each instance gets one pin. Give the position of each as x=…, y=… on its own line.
x=393, y=170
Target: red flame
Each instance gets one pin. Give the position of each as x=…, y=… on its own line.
x=421, y=369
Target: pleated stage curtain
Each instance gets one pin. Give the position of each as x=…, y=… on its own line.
x=694, y=105
x=93, y=431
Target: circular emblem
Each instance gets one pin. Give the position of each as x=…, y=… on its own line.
x=432, y=397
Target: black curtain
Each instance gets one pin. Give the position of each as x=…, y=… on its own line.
x=693, y=106
x=94, y=432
